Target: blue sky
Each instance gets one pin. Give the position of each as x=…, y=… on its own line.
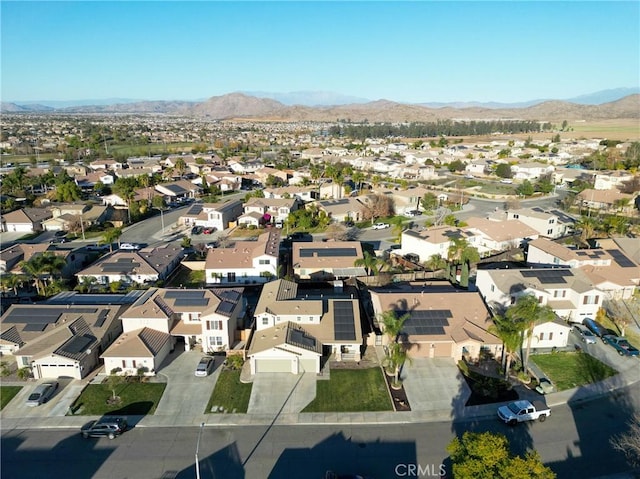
x=413, y=52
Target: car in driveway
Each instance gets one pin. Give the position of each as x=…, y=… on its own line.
x=196, y=230
x=380, y=226
x=584, y=334
x=107, y=426
x=212, y=244
x=42, y=393
x=595, y=327
x=204, y=367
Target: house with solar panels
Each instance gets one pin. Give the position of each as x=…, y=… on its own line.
x=61, y=339
x=327, y=261
x=608, y=267
x=568, y=291
x=440, y=324
x=295, y=328
x=178, y=189
x=212, y=215
x=145, y=266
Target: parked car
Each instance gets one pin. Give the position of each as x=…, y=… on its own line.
x=506, y=181
x=381, y=226
x=108, y=426
x=522, y=411
x=196, y=230
x=412, y=213
x=212, y=244
x=621, y=345
x=59, y=234
x=58, y=240
x=42, y=393
x=595, y=327
x=584, y=334
x=207, y=230
x=544, y=386
x=98, y=247
x=130, y=246
x=204, y=366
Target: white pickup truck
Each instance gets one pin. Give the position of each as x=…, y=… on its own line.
x=521, y=411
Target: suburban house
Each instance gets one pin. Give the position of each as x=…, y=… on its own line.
x=212, y=215
x=75, y=258
x=531, y=171
x=607, y=267
x=342, y=210
x=326, y=261
x=245, y=261
x=440, y=324
x=25, y=220
x=244, y=167
x=303, y=193
x=56, y=340
x=161, y=318
x=106, y=164
x=69, y=216
x=179, y=189
x=479, y=167
x=550, y=334
x=295, y=328
x=262, y=175
x=496, y=236
x=548, y=223
x=568, y=291
x=608, y=200
x=260, y=211
x=434, y=241
x=145, y=266
x=609, y=180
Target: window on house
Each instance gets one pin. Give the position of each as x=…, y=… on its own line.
x=540, y=299
x=265, y=321
x=264, y=261
x=550, y=232
x=541, y=336
x=564, y=293
x=299, y=318
x=493, y=288
x=551, y=221
x=214, y=325
x=550, y=336
x=215, y=341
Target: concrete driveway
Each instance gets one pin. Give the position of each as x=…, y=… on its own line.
x=186, y=395
x=58, y=405
x=273, y=393
x=434, y=384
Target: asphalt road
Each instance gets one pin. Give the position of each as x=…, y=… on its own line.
x=574, y=442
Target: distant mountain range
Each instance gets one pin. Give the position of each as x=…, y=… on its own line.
x=618, y=103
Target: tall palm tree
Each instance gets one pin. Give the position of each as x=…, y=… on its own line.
x=526, y=313
x=12, y=282
x=110, y=236
x=587, y=227
x=372, y=264
x=180, y=166
x=41, y=266
x=511, y=337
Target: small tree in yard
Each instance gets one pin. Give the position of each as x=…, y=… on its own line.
x=114, y=380
x=24, y=373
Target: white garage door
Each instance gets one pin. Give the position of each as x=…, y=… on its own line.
x=273, y=365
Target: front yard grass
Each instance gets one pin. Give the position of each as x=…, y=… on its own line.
x=568, y=370
x=135, y=399
x=229, y=393
x=351, y=390
x=7, y=393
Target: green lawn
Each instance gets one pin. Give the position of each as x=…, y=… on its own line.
x=7, y=393
x=136, y=399
x=351, y=390
x=569, y=370
x=188, y=278
x=230, y=393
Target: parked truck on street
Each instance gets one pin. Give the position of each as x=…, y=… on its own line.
x=522, y=411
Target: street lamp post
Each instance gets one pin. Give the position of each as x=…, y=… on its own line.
x=197, y=450
x=162, y=218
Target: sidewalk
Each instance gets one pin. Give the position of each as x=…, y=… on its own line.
x=194, y=417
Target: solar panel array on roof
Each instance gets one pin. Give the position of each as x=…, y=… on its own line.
x=195, y=209
x=538, y=209
x=590, y=253
x=225, y=308
x=77, y=344
x=298, y=337
x=102, y=317
x=548, y=276
x=327, y=252
x=183, y=293
x=42, y=315
x=229, y=295
x=194, y=302
x=619, y=257
x=35, y=327
x=563, y=217
x=175, y=188
x=426, y=322
x=344, y=321
x=121, y=265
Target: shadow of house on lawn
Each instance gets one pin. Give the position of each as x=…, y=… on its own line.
x=344, y=456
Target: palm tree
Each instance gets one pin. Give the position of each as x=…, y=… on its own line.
x=395, y=359
x=87, y=284
x=436, y=263
x=43, y=265
x=372, y=264
x=587, y=227
x=511, y=338
x=526, y=313
x=110, y=236
x=396, y=353
x=12, y=282
x=180, y=166
x=393, y=324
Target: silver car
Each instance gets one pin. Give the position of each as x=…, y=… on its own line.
x=584, y=334
x=204, y=366
x=42, y=393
